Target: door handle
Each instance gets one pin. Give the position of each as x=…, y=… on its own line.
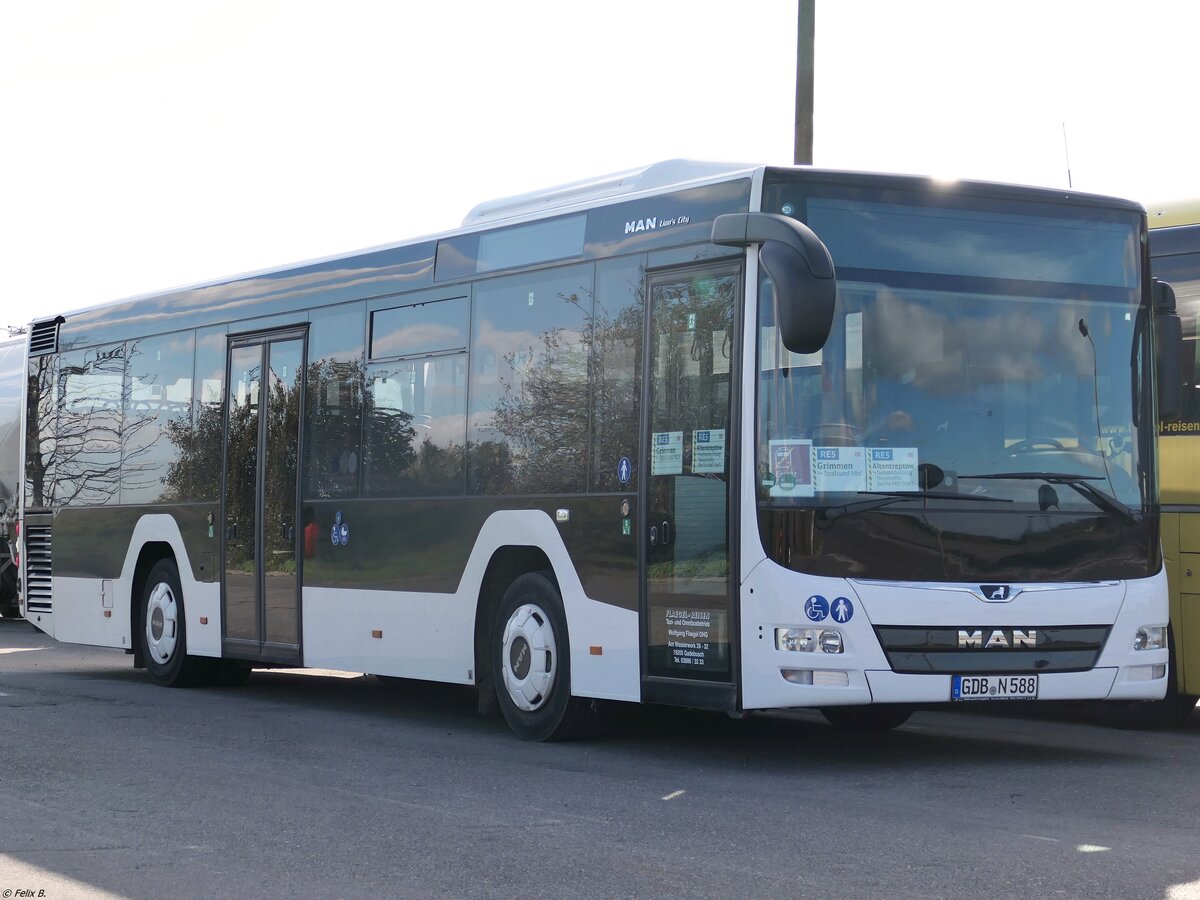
x=660, y=535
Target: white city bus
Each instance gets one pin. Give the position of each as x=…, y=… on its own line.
x=726, y=437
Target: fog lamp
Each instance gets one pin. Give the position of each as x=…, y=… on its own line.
x=816, y=677
x=797, y=676
x=1145, y=673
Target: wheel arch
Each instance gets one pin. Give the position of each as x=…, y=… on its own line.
x=158, y=536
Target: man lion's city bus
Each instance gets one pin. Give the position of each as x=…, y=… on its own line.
x=1175, y=252
x=733, y=438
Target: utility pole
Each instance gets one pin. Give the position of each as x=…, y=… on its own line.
x=805, y=29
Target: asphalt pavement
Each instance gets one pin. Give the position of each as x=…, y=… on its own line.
x=340, y=785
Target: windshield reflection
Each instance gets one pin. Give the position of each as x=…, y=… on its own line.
x=958, y=381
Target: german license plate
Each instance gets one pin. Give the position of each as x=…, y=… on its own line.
x=994, y=687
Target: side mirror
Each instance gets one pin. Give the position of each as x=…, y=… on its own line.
x=1168, y=352
x=801, y=267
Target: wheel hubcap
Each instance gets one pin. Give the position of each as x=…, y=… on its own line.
x=529, y=657
x=162, y=625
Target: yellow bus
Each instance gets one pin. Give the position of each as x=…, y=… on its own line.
x=1175, y=258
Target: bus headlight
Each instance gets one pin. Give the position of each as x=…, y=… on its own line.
x=831, y=641
x=802, y=640
x=808, y=640
x=1150, y=637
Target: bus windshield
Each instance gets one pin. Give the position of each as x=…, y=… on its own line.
x=981, y=349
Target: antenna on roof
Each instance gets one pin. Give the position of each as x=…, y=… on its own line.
x=1067, y=154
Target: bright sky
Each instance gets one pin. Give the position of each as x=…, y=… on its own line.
x=147, y=144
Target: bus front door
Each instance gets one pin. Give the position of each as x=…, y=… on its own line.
x=260, y=586
x=687, y=614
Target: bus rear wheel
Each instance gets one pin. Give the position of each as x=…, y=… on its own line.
x=163, y=631
x=532, y=663
x=10, y=607
x=877, y=717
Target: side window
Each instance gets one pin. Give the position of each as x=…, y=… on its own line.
x=158, y=418
x=615, y=336
x=41, y=412
x=196, y=469
x=335, y=390
x=88, y=431
x=1183, y=273
x=528, y=421
x=420, y=329
x=415, y=427
x=416, y=399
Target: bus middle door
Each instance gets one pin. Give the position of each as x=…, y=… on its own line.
x=260, y=579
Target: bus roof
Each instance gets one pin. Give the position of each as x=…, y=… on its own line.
x=672, y=173
x=158, y=311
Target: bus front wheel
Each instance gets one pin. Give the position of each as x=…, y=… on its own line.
x=163, y=631
x=877, y=717
x=531, y=662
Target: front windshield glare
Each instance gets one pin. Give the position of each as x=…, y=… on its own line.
x=926, y=381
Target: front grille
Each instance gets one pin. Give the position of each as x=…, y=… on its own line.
x=940, y=649
x=38, y=557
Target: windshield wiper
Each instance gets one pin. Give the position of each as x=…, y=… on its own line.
x=887, y=498
x=1079, y=483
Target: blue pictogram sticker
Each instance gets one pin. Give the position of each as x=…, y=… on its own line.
x=816, y=608
x=842, y=610
x=345, y=535
x=335, y=535
x=337, y=517
x=624, y=470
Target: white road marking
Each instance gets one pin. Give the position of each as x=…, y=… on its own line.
x=674, y=794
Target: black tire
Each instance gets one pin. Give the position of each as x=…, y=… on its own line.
x=162, y=631
x=10, y=606
x=876, y=717
x=531, y=664
x=1172, y=711
x=1150, y=715
x=229, y=673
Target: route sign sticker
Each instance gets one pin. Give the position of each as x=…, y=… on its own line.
x=839, y=469
x=666, y=453
x=892, y=469
x=708, y=451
